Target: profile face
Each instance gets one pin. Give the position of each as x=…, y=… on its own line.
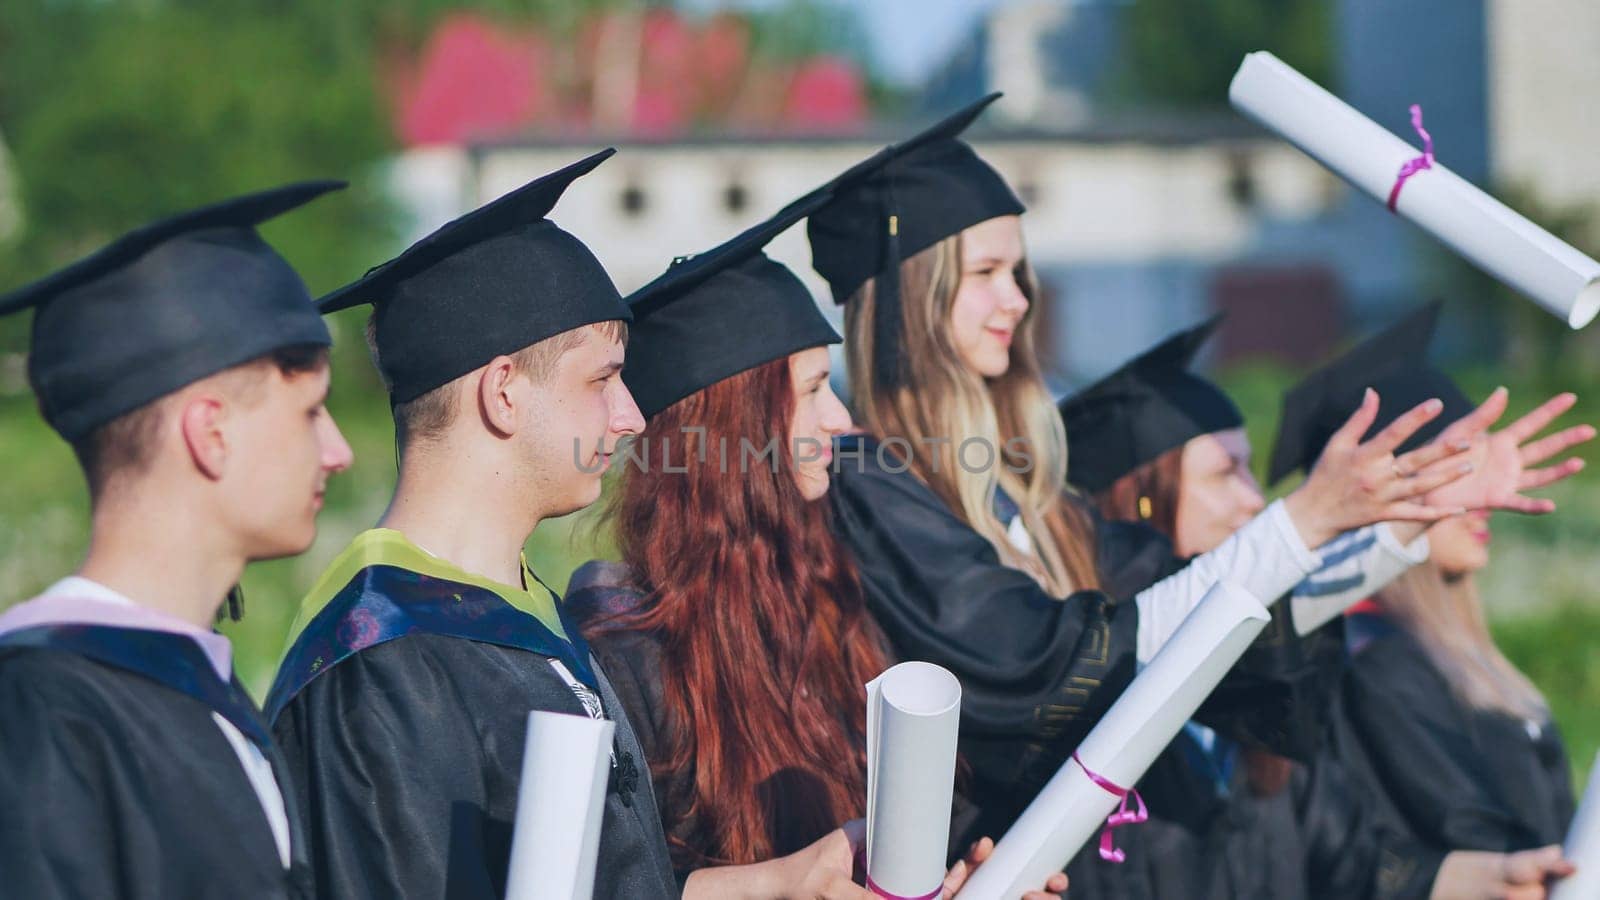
x=283, y=447
x=989, y=305
x=819, y=417
x=575, y=419
x=1217, y=494
x=1459, y=545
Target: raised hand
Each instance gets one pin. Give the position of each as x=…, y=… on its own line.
x=1504, y=461
x=1357, y=483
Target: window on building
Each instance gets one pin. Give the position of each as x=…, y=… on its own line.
x=633, y=201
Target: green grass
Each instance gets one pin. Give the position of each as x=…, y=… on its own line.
x=1539, y=588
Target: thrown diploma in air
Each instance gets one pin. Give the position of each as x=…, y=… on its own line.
x=1480, y=228
x=1092, y=791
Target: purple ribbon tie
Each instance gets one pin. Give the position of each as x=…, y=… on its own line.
x=1413, y=166
x=873, y=887
x=1109, y=851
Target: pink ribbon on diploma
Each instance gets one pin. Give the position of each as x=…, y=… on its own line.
x=1122, y=816
x=1412, y=167
x=873, y=887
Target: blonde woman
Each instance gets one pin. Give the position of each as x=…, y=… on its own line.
x=970, y=554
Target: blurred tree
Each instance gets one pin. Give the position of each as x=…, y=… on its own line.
x=130, y=111
x=1183, y=54
x=119, y=112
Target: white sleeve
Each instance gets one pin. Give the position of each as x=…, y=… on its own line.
x=1266, y=557
x=1355, y=565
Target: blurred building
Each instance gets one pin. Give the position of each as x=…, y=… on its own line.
x=1126, y=227
x=1137, y=225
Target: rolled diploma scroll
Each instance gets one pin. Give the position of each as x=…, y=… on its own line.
x=1582, y=846
x=1473, y=224
x=1137, y=727
x=913, y=716
x=565, y=764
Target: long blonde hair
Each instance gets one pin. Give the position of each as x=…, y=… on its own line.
x=943, y=404
x=1446, y=618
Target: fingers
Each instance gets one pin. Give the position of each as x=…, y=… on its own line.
x=1546, y=447
x=1429, y=454
x=955, y=878
x=1528, y=506
x=1054, y=887
x=1532, y=479
x=1532, y=866
x=980, y=850
x=1410, y=511
x=842, y=888
x=1480, y=419
x=1420, y=485
x=1349, y=434
x=1396, y=432
x=1535, y=422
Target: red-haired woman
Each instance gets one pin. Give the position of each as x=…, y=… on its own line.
x=734, y=628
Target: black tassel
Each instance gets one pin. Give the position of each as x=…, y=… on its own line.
x=888, y=316
x=236, y=602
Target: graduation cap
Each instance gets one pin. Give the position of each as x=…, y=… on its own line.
x=496, y=280
x=901, y=201
x=1393, y=363
x=719, y=313
x=1150, y=405
x=163, y=307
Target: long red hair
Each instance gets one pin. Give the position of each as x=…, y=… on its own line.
x=766, y=642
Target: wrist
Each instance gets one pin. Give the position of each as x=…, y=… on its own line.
x=1310, y=520
x=756, y=881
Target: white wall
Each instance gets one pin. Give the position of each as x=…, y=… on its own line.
x=1121, y=213
x=1544, y=78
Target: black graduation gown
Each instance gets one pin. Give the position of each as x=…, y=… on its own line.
x=1322, y=838
x=1456, y=777
x=1036, y=672
x=408, y=756
x=117, y=786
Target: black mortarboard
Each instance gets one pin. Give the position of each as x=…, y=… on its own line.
x=163, y=307
x=496, y=280
x=718, y=313
x=1393, y=363
x=1150, y=405
x=900, y=202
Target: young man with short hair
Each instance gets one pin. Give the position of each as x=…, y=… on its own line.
x=187, y=367
x=403, y=699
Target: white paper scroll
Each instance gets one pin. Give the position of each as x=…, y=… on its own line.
x=1472, y=223
x=913, y=716
x=560, y=800
x=1143, y=721
x=1583, y=845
